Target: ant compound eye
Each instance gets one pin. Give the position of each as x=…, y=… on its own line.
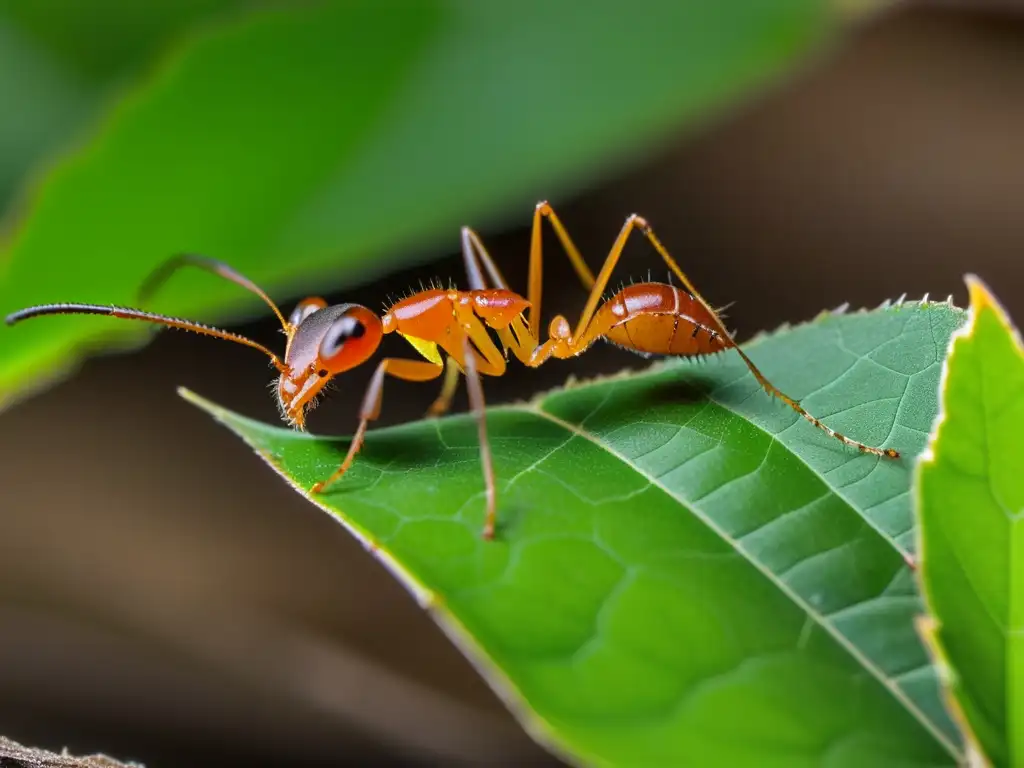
x=344, y=328
x=304, y=309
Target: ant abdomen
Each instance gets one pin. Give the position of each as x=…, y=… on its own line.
x=659, y=319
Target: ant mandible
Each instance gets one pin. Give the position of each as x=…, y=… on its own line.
x=325, y=341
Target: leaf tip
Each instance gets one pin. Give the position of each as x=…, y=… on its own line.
x=981, y=297
x=202, y=403
x=240, y=425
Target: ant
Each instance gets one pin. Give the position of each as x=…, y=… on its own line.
x=325, y=341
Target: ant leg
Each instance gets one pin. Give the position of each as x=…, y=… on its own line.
x=597, y=285
x=770, y=388
x=580, y=336
x=517, y=336
x=477, y=407
x=601, y=282
x=473, y=253
x=536, y=279
x=490, y=361
x=480, y=355
x=409, y=370
x=451, y=383
x=160, y=275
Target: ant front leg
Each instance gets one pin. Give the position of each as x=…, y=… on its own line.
x=409, y=370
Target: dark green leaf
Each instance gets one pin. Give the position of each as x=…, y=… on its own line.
x=103, y=40
x=685, y=571
x=62, y=62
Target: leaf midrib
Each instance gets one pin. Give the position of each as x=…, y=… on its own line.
x=534, y=410
x=694, y=508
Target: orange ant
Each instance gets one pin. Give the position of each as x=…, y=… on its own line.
x=324, y=341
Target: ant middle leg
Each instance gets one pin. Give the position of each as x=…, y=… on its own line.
x=452, y=374
x=478, y=408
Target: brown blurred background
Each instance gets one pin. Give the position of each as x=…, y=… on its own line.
x=164, y=597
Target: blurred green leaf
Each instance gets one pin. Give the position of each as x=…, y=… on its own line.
x=45, y=106
x=321, y=138
x=970, y=492
x=61, y=62
x=101, y=40
x=685, y=571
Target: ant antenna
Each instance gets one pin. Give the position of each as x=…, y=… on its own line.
x=137, y=314
x=160, y=275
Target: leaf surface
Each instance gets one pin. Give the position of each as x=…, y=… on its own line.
x=326, y=138
x=685, y=571
x=970, y=495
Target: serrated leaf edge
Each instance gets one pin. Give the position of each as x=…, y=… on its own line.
x=573, y=382
x=652, y=369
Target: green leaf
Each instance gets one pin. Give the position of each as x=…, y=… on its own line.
x=685, y=572
x=51, y=107
x=330, y=136
x=102, y=40
x=970, y=496
x=61, y=64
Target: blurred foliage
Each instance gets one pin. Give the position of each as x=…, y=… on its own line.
x=327, y=138
x=970, y=493
x=105, y=40
x=62, y=62
x=684, y=570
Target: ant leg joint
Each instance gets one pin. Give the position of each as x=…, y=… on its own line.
x=639, y=221
x=544, y=207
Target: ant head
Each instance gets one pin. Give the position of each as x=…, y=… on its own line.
x=323, y=342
